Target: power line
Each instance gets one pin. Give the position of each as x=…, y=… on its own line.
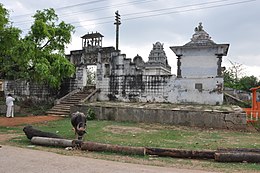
x=171, y=8
x=92, y=10
x=109, y=6
x=201, y=8
x=164, y=13
x=172, y=12
x=165, y=9
x=153, y=11
x=65, y=7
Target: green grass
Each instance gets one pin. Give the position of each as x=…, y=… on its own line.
x=133, y=134
x=9, y=130
x=154, y=135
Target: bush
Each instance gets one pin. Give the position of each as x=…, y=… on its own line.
x=91, y=114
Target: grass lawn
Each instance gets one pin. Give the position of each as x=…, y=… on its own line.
x=149, y=135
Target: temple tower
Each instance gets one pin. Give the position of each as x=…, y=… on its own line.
x=201, y=57
x=157, y=63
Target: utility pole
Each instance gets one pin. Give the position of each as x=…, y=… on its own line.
x=117, y=23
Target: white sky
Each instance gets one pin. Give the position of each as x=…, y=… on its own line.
x=144, y=22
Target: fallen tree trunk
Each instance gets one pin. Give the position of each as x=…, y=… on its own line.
x=238, y=157
x=53, y=142
x=207, y=154
x=93, y=146
x=31, y=132
x=230, y=150
x=222, y=156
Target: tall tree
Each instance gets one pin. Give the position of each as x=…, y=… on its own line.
x=47, y=40
x=232, y=75
x=234, y=78
x=248, y=82
x=9, y=38
x=237, y=70
x=39, y=56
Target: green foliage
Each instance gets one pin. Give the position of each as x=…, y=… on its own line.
x=4, y=15
x=48, y=63
x=39, y=56
x=233, y=78
x=9, y=38
x=91, y=114
x=247, y=82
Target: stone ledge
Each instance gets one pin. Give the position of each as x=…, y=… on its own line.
x=186, y=115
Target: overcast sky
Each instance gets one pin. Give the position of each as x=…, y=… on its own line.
x=144, y=22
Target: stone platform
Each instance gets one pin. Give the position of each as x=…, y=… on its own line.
x=205, y=116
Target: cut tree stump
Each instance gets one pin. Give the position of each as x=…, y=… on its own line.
x=93, y=146
x=238, y=157
x=206, y=154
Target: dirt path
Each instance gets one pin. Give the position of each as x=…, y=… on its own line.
x=7, y=122
x=31, y=161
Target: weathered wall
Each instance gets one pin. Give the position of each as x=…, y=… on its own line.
x=24, y=90
x=207, y=119
x=186, y=90
x=17, y=109
x=138, y=88
x=199, y=63
x=163, y=88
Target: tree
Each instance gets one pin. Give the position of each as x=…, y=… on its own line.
x=232, y=74
x=234, y=78
x=248, y=82
x=39, y=56
x=237, y=70
x=47, y=61
x=9, y=39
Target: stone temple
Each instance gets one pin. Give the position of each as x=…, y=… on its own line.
x=199, y=77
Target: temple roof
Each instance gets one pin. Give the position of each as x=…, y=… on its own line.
x=157, y=56
x=200, y=38
x=92, y=35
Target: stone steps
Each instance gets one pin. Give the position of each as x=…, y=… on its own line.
x=63, y=107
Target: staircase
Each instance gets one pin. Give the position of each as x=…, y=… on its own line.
x=62, y=108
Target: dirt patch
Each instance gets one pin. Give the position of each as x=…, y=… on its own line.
x=16, y=121
x=5, y=137
x=124, y=129
x=26, y=120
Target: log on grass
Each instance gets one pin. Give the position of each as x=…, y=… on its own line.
x=230, y=150
x=238, y=157
x=31, y=132
x=93, y=146
x=179, y=153
x=53, y=142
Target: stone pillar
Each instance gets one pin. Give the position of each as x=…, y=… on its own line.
x=179, y=66
x=219, y=72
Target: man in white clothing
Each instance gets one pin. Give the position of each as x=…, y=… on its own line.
x=10, y=106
